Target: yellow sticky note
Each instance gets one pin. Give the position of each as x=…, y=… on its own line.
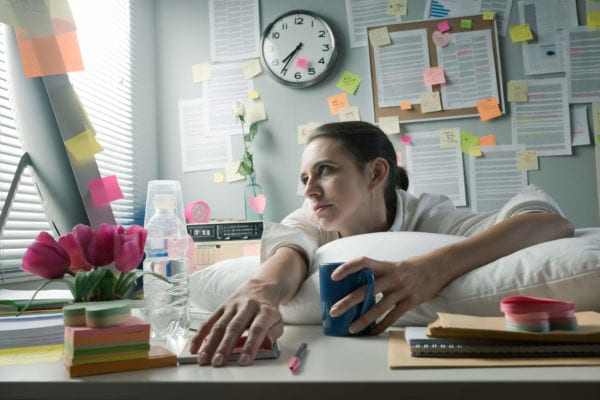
x=255, y=112
x=201, y=72
x=253, y=95
x=390, y=125
x=430, y=102
x=489, y=15
x=251, y=68
x=517, y=92
x=397, y=7
x=349, y=82
x=406, y=105
x=31, y=355
x=468, y=140
x=520, y=33
x=527, y=160
x=218, y=177
x=231, y=174
x=379, y=37
x=593, y=19
x=488, y=109
x=304, y=131
x=487, y=140
x=475, y=152
x=449, y=138
x=349, y=114
x=84, y=145
x=466, y=23
x=337, y=102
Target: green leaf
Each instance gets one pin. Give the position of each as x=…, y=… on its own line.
x=86, y=282
x=126, y=281
x=105, y=289
x=253, y=131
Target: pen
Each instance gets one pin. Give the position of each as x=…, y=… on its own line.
x=296, y=359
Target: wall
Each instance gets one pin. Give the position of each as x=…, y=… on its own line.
x=182, y=39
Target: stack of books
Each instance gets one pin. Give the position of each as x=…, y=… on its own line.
x=31, y=330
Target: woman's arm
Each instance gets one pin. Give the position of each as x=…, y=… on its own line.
x=254, y=306
x=406, y=284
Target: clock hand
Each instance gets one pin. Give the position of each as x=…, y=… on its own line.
x=289, y=57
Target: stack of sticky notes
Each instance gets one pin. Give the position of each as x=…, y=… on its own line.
x=536, y=314
x=102, y=337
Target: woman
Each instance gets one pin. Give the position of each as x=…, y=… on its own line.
x=353, y=186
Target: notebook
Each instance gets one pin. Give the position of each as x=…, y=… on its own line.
x=422, y=345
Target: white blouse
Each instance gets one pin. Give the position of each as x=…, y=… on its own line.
x=432, y=213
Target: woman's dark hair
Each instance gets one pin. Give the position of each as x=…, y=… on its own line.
x=366, y=142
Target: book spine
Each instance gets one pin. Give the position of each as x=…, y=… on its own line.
x=462, y=350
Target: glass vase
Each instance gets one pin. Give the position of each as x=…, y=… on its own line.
x=254, y=200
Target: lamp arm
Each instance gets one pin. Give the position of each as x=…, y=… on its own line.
x=25, y=161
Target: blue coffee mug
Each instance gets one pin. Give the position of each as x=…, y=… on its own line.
x=333, y=291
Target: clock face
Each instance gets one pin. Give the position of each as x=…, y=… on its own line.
x=299, y=48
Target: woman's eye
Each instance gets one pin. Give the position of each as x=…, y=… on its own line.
x=323, y=169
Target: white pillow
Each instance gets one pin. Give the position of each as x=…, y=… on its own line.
x=565, y=269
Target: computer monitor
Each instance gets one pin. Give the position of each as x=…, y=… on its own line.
x=48, y=112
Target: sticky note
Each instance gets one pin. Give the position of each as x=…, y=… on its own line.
x=255, y=112
x=406, y=139
x=397, y=7
x=84, y=145
x=433, y=76
x=527, y=160
x=231, y=174
x=487, y=140
x=390, y=125
x=443, y=26
x=593, y=19
x=349, y=82
x=349, y=114
x=468, y=140
x=304, y=131
x=466, y=23
x=406, y=105
x=430, y=102
x=251, y=68
x=489, y=15
x=51, y=55
x=399, y=161
x=441, y=39
x=253, y=95
x=475, y=152
x=104, y=190
x=302, y=62
x=218, y=177
x=517, y=92
x=379, y=37
x=488, y=109
x=449, y=138
x=201, y=72
x=520, y=33
x=337, y=102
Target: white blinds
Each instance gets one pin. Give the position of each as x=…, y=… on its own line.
x=105, y=87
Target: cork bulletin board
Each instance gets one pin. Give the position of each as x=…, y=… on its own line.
x=425, y=29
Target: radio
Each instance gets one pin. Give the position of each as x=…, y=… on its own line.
x=219, y=231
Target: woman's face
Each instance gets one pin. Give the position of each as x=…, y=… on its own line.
x=338, y=191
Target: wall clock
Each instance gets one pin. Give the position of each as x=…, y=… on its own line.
x=299, y=48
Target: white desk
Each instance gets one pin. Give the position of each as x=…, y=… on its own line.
x=345, y=368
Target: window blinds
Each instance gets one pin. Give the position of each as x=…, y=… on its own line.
x=105, y=88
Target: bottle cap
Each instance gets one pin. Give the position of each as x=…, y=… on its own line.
x=162, y=200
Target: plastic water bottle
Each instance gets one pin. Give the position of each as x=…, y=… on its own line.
x=166, y=304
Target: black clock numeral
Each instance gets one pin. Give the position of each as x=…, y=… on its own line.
x=311, y=71
x=298, y=75
x=284, y=26
x=321, y=60
x=284, y=71
x=322, y=33
x=298, y=21
x=325, y=47
x=275, y=35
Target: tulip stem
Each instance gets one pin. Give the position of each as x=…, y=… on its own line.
x=43, y=285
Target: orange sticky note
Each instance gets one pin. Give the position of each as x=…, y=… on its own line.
x=104, y=190
x=487, y=140
x=84, y=145
x=488, y=109
x=434, y=76
x=337, y=102
x=50, y=55
x=406, y=105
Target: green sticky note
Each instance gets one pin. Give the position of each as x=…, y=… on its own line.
x=349, y=82
x=466, y=23
x=468, y=140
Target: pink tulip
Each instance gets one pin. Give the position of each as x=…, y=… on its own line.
x=129, y=247
x=46, y=258
x=97, y=245
x=72, y=246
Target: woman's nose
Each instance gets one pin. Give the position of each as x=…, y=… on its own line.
x=310, y=189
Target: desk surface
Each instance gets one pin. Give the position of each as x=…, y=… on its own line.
x=333, y=368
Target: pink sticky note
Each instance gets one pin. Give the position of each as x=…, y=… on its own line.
x=104, y=190
x=433, y=76
x=405, y=139
x=301, y=62
x=443, y=26
x=399, y=158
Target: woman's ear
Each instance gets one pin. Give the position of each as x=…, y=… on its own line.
x=379, y=171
